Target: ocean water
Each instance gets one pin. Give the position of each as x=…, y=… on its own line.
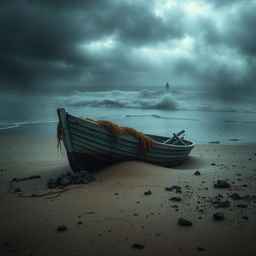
x=206, y=116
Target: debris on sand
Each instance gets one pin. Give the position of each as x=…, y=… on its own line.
x=218, y=216
x=184, y=222
x=242, y=205
x=219, y=202
x=235, y=196
x=81, y=177
x=223, y=204
x=176, y=199
x=148, y=193
x=175, y=187
x=138, y=245
x=221, y=184
x=16, y=190
x=61, y=228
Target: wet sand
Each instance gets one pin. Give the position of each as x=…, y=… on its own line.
x=109, y=215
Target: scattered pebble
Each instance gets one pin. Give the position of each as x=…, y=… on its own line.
x=176, y=199
x=175, y=187
x=138, y=245
x=61, y=228
x=223, y=204
x=16, y=190
x=197, y=173
x=148, y=193
x=184, y=222
x=235, y=196
x=242, y=205
x=221, y=184
x=218, y=216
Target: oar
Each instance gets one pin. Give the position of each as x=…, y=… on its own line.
x=176, y=138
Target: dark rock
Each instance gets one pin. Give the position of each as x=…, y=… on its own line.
x=64, y=182
x=223, y=204
x=80, y=222
x=235, y=196
x=242, y=205
x=178, y=191
x=16, y=190
x=61, y=228
x=52, y=185
x=85, y=181
x=82, y=177
x=221, y=184
x=197, y=173
x=244, y=217
x=184, y=222
x=200, y=248
x=218, y=216
x=175, y=187
x=213, y=164
x=176, y=199
x=245, y=185
x=148, y=193
x=138, y=245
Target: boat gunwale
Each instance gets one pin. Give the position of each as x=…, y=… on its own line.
x=127, y=137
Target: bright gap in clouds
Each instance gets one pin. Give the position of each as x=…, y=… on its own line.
x=170, y=49
x=105, y=44
x=193, y=9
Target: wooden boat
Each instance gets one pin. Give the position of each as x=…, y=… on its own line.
x=91, y=146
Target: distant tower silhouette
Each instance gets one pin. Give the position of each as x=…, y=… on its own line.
x=167, y=86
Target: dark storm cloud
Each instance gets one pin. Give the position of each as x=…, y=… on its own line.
x=43, y=38
x=48, y=44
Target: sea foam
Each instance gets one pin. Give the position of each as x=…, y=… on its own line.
x=144, y=99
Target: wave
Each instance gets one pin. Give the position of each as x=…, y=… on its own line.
x=155, y=99
x=10, y=125
x=144, y=99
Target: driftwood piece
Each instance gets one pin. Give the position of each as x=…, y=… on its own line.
x=56, y=193
x=16, y=180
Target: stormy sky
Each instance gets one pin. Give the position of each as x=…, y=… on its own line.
x=49, y=46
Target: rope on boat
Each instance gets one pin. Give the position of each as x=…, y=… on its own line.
x=146, y=142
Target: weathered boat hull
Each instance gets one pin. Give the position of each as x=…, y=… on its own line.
x=91, y=146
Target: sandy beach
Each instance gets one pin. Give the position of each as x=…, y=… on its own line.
x=107, y=216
